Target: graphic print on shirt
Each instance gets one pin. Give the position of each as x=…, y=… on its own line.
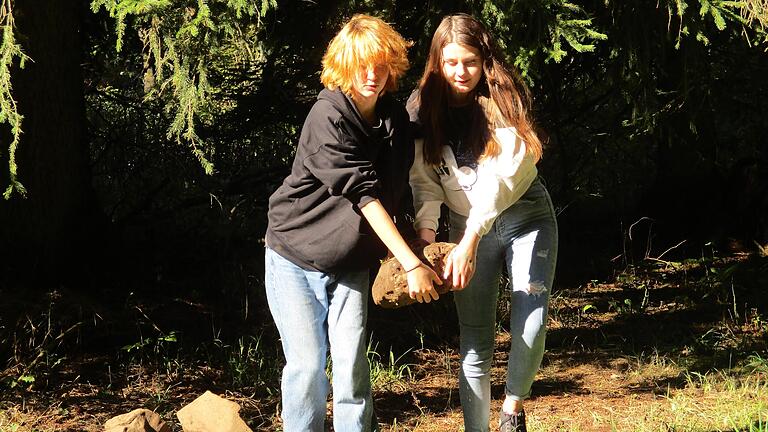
x=466, y=176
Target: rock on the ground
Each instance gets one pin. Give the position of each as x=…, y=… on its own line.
x=138, y=420
x=211, y=413
x=390, y=288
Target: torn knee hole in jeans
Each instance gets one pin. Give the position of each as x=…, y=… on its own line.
x=536, y=288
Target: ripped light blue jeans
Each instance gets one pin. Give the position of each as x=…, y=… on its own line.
x=524, y=240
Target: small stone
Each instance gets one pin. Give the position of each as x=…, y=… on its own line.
x=211, y=413
x=138, y=420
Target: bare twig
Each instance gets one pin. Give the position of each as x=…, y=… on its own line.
x=673, y=247
x=642, y=219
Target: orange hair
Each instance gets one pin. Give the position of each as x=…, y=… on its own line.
x=364, y=41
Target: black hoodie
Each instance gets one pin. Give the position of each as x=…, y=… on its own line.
x=341, y=164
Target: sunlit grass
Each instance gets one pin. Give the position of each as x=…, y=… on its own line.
x=727, y=401
x=652, y=367
x=719, y=401
x=388, y=373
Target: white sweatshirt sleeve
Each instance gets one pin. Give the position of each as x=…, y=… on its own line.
x=427, y=190
x=501, y=181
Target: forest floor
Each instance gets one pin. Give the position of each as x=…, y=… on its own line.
x=662, y=346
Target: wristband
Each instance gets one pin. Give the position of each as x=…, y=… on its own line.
x=417, y=266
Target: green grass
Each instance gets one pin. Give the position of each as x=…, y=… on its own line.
x=734, y=400
x=387, y=373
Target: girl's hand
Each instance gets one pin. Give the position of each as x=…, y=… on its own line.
x=461, y=263
x=420, y=284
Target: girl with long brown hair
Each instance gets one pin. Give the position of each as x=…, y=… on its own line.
x=477, y=153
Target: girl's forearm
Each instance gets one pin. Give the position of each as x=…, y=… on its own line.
x=426, y=234
x=383, y=226
x=470, y=240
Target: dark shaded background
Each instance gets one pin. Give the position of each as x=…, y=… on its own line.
x=655, y=139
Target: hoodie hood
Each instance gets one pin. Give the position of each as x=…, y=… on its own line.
x=347, y=108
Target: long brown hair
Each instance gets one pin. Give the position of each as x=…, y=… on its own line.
x=501, y=98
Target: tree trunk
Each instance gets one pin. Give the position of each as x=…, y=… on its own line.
x=42, y=236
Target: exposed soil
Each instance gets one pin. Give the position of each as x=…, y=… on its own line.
x=612, y=350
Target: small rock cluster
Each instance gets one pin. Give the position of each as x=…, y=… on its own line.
x=207, y=413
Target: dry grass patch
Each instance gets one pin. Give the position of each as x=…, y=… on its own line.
x=708, y=403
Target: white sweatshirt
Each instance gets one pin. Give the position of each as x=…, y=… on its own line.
x=480, y=194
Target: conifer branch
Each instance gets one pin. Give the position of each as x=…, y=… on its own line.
x=181, y=41
x=10, y=50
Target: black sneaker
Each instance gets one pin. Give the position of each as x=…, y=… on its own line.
x=512, y=422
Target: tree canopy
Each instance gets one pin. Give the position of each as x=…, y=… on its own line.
x=645, y=107
x=179, y=45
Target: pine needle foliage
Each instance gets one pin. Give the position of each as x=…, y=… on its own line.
x=557, y=29
x=182, y=41
x=692, y=21
x=553, y=28
x=755, y=15
x=755, y=11
x=10, y=51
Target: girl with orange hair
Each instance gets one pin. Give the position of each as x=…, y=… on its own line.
x=329, y=223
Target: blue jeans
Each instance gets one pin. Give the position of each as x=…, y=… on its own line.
x=524, y=240
x=313, y=310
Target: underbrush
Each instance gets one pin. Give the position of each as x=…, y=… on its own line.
x=662, y=346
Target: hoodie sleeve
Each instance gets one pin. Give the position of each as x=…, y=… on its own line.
x=339, y=161
x=501, y=180
x=427, y=190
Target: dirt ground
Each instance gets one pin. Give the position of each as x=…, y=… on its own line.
x=620, y=356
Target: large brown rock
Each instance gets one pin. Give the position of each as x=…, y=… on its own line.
x=138, y=420
x=390, y=288
x=211, y=413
